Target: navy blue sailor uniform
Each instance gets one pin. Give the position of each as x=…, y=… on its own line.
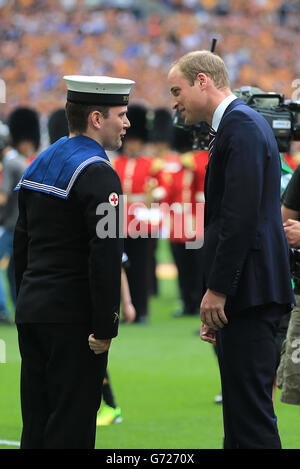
x=68, y=281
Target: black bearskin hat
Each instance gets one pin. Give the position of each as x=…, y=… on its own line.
x=162, y=126
x=182, y=140
x=57, y=125
x=137, y=115
x=23, y=125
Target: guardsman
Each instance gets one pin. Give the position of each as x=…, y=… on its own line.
x=134, y=169
x=180, y=186
x=24, y=127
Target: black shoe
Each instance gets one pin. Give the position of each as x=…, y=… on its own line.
x=141, y=319
x=180, y=313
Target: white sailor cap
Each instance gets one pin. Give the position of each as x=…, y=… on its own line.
x=101, y=90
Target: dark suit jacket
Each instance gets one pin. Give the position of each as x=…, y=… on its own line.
x=245, y=248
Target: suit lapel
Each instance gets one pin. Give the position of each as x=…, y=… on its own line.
x=231, y=106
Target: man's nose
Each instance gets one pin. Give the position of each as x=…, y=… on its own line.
x=174, y=103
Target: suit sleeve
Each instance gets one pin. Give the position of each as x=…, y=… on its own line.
x=243, y=150
x=20, y=242
x=93, y=188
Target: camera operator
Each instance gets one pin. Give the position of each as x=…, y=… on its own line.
x=288, y=373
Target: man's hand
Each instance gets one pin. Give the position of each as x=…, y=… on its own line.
x=212, y=310
x=292, y=231
x=207, y=334
x=98, y=345
x=129, y=313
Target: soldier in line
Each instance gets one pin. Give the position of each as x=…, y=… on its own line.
x=4, y=148
x=180, y=184
x=134, y=169
x=24, y=131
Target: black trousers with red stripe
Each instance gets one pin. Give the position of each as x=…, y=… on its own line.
x=61, y=386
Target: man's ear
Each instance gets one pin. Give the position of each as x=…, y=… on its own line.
x=201, y=80
x=96, y=119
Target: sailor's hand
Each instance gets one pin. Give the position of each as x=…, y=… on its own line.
x=98, y=345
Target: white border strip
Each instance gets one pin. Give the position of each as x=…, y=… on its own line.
x=9, y=443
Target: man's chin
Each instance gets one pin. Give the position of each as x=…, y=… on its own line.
x=188, y=121
x=191, y=121
x=114, y=147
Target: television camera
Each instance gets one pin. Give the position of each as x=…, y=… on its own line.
x=281, y=114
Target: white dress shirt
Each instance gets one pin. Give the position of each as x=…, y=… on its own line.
x=218, y=114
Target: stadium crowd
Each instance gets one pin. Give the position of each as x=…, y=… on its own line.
x=42, y=40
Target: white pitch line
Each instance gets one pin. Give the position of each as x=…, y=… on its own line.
x=9, y=443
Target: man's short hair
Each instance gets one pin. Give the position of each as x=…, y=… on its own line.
x=204, y=61
x=77, y=115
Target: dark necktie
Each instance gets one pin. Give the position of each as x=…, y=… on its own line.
x=212, y=136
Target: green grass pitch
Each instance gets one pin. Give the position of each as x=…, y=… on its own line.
x=164, y=379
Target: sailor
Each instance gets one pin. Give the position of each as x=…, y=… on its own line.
x=67, y=271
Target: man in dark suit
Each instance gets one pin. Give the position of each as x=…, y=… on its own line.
x=246, y=263
x=68, y=272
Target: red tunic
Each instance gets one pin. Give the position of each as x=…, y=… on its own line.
x=135, y=176
x=181, y=185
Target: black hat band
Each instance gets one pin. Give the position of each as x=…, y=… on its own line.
x=98, y=98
